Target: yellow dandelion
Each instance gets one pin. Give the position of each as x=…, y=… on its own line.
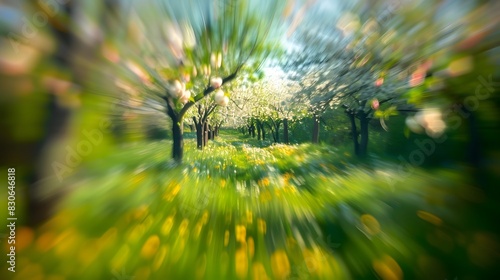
x=67, y=243
x=24, y=237
x=387, y=268
x=261, y=226
x=241, y=263
x=280, y=264
x=264, y=182
x=259, y=271
x=204, y=218
x=45, y=242
x=310, y=260
x=251, y=247
x=426, y=216
x=160, y=257
x=240, y=233
x=167, y=225
x=150, y=247
x=197, y=230
x=249, y=217
x=370, y=224
x=173, y=191
x=183, y=227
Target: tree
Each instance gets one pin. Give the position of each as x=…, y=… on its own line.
x=267, y=103
x=348, y=67
x=207, y=48
x=200, y=118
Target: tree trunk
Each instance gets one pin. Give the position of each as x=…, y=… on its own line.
x=217, y=127
x=199, y=135
x=277, y=131
x=315, y=136
x=354, y=132
x=363, y=144
x=205, y=134
x=252, y=130
x=271, y=127
x=58, y=118
x=263, y=131
x=259, y=137
x=285, y=131
x=178, y=147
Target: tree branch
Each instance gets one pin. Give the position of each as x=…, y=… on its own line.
x=170, y=109
x=208, y=90
x=384, y=101
x=209, y=111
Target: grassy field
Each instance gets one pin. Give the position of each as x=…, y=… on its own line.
x=242, y=209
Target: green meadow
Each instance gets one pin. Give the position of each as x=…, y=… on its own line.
x=246, y=209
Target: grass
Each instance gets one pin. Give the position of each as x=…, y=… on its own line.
x=244, y=209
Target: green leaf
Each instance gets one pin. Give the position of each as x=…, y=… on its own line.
x=379, y=114
x=415, y=95
x=391, y=111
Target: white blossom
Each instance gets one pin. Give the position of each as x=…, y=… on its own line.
x=218, y=96
x=176, y=89
x=216, y=82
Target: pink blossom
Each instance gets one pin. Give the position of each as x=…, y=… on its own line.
x=216, y=82
x=417, y=78
x=185, y=97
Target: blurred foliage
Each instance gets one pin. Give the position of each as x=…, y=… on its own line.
x=83, y=123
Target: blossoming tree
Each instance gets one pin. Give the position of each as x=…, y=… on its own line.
x=183, y=53
x=367, y=64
